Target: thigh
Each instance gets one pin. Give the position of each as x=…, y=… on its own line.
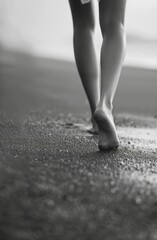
x=82, y=14
x=112, y=10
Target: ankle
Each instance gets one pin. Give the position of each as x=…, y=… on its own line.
x=105, y=107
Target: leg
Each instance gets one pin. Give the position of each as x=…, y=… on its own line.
x=84, y=50
x=112, y=55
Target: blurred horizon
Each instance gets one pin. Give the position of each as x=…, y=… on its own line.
x=45, y=29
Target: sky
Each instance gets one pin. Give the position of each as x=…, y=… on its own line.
x=45, y=27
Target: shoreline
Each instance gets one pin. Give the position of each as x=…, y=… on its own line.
x=136, y=93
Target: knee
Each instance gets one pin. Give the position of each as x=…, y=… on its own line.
x=112, y=27
x=84, y=25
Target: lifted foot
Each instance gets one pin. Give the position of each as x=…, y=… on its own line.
x=108, y=139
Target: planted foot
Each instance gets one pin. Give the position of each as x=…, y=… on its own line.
x=94, y=129
x=107, y=132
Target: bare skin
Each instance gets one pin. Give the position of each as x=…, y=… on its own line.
x=94, y=129
x=85, y=55
x=111, y=18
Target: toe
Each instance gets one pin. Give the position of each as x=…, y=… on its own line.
x=93, y=131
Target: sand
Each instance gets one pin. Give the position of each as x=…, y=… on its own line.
x=54, y=182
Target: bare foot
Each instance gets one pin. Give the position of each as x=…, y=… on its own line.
x=107, y=132
x=94, y=128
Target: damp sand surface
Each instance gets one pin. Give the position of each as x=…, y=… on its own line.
x=54, y=183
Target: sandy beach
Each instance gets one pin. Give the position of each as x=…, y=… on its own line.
x=54, y=182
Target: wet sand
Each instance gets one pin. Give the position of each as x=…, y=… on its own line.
x=54, y=182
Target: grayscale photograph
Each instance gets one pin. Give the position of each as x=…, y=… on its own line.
x=78, y=120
